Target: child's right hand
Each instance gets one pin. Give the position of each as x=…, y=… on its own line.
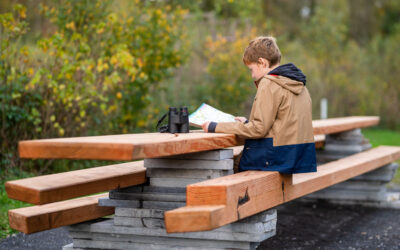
x=240, y=119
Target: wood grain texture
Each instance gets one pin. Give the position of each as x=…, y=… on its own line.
x=336, y=125
x=226, y=199
x=58, y=214
x=151, y=145
x=57, y=187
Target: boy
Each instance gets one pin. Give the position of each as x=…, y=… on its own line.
x=279, y=134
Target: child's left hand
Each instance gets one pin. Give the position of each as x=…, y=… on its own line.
x=205, y=126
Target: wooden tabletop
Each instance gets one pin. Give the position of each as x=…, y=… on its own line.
x=150, y=145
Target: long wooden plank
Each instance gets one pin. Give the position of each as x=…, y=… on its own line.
x=214, y=203
x=139, y=146
x=336, y=125
x=124, y=147
x=58, y=214
x=57, y=187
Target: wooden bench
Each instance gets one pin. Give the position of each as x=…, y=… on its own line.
x=52, y=188
x=56, y=188
x=214, y=203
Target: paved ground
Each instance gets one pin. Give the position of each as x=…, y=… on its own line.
x=300, y=226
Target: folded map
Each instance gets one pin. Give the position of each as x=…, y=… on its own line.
x=207, y=113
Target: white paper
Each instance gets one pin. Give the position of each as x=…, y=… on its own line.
x=207, y=113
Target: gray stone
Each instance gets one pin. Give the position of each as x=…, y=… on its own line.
x=367, y=186
x=70, y=247
x=352, y=141
x=346, y=135
x=346, y=149
x=151, y=189
x=99, y=244
x=213, y=155
x=383, y=174
x=263, y=216
x=131, y=189
x=179, y=197
x=391, y=201
x=186, y=173
x=108, y=227
x=226, y=164
x=349, y=195
x=163, y=204
x=161, y=240
x=128, y=221
x=140, y=212
x=106, y=202
x=153, y=223
x=173, y=182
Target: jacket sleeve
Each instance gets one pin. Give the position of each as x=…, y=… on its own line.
x=265, y=108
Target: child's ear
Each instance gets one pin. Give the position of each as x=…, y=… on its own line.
x=263, y=62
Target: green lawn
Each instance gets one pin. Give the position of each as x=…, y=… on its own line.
x=376, y=137
x=6, y=204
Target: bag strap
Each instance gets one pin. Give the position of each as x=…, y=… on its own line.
x=164, y=128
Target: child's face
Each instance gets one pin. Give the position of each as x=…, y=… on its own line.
x=258, y=70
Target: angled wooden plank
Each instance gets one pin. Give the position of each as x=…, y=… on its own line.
x=337, y=171
x=336, y=125
x=57, y=187
x=226, y=199
x=58, y=214
x=151, y=145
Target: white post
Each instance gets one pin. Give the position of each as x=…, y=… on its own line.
x=324, y=108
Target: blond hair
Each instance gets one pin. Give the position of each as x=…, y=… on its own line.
x=264, y=47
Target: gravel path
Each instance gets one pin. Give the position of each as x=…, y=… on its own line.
x=300, y=226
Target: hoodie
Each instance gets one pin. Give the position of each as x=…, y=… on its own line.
x=279, y=133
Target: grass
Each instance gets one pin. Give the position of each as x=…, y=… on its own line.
x=376, y=137
x=6, y=203
x=386, y=137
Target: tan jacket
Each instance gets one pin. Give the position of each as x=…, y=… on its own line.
x=279, y=132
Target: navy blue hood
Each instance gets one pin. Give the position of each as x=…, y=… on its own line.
x=290, y=71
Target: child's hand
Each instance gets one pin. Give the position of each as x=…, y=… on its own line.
x=205, y=126
x=240, y=119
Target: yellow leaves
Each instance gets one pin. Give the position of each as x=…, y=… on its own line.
x=112, y=17
x=22, y=13
x=139, y=63
x=70, y=26
x=141, y=123
x=119, y=95
x=100, y=31
x=31, y=72
x=113, y=60
x=52, y=118
x=101, y=65
x=142, y=75
x=61, y=131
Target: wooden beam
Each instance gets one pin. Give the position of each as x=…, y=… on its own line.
x=336, y=125
x=57, y=187
x=58, y=214
x=214, y=203
x=124, y=147
x=151, y=145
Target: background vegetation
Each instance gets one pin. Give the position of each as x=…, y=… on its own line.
x=74, y=68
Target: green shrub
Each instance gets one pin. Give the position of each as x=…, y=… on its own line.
x=92, y=75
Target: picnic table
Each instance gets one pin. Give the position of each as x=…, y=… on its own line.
x=209, y=204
